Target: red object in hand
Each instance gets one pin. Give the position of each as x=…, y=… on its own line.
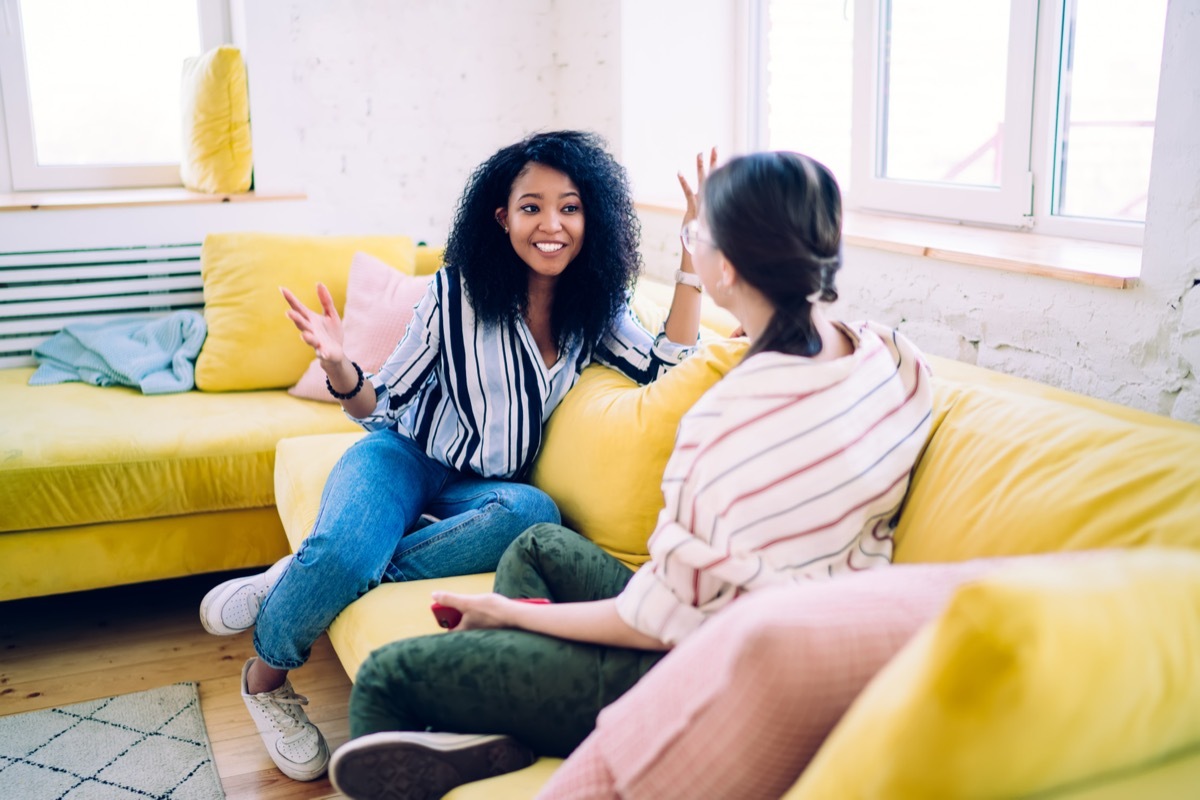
x=449, y=617
x=446, y=616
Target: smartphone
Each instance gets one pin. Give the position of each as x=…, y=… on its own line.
x=449, y=617
x=446, y=616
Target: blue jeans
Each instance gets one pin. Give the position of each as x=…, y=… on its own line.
x=364, y=535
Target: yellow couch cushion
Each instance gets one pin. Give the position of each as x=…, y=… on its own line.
x=116, y=454
x=1034, y=678
x=81, y=557
x=302, y=465
x=251, y=344
x=217, y=153
x=652, y=299
x=607, y=444
x=1012, y=469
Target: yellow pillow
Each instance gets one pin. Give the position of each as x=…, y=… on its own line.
x=652, y=299
x=1035, y=677
x=251, y=344
x=428, y=260
x=607, y=445
x=1005, y=473
x=217, y=155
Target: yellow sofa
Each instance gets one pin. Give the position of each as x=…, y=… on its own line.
x=105, y=486
x=1011, y=468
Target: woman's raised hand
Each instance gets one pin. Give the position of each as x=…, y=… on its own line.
x=690, y=194
x=322, y=332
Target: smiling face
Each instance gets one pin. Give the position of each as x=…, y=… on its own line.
x=544, y=218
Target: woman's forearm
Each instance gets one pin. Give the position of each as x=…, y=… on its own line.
x=343, y=377
x=683, y=320
x=594, y=622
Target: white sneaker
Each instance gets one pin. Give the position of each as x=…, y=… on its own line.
x=293, y=742
x=232, y=607
x=421, y=766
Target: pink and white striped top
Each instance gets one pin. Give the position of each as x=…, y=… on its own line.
x=788, y=469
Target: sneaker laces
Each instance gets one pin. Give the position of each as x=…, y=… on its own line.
x=285, y=713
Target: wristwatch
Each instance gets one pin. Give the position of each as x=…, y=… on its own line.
x=690, y=278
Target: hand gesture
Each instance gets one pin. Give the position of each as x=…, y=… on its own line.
x=322, y=332
x=689, y=195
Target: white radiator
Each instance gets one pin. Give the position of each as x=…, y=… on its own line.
x=42, y=292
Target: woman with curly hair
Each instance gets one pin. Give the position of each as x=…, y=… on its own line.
x=524, y=302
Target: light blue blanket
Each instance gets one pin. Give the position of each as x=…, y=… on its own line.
x=154, y=353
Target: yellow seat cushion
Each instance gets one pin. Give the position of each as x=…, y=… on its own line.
x=607, y=444
x=393, y=611
x=302, y=465
x=118, y=455
x=251, y=344
x=520, y=785
x=1010, y=470
x=1035, y=678
x=82, y=557
x=217, y=152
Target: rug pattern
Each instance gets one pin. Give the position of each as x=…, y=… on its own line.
x=150, y=744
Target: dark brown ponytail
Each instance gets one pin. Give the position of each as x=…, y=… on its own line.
x=777, y=217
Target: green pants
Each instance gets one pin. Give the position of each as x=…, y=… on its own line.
x=542, y=690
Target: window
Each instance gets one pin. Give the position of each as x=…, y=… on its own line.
x=1005, y=112
x=91, y=89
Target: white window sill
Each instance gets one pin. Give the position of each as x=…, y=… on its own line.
x=1077, y=260
x=109, y=198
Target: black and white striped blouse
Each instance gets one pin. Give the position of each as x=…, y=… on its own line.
x=475, y=396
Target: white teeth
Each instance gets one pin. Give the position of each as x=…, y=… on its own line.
x=549, y=247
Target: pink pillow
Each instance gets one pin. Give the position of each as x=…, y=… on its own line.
x=754, y=692
x=379, y=305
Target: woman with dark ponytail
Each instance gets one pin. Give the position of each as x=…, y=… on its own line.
x=791, y=469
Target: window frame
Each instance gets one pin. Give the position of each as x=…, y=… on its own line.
x=1044, y=142
x=1011, y=203
x=24, y=171
x=1024, y=201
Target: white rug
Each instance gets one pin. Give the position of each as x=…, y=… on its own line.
x=149, y=744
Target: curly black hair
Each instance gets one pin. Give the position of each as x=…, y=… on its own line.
x=593, y=289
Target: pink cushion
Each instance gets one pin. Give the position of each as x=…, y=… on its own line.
x=755, y=691
x=379, y=305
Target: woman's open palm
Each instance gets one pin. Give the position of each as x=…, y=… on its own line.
x=323, y=331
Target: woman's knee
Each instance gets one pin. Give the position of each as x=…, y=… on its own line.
x=376, y=697
x=539, y=538
x=531, y=504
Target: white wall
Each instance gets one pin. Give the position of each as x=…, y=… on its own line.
x=679, y=75
x=386, y=107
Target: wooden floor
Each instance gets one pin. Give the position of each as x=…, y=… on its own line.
x=67, y=649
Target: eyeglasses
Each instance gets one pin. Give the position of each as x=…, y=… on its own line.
x=689, y=234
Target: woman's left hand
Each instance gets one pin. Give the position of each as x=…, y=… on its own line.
x=690, y=195
x=479, y=611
